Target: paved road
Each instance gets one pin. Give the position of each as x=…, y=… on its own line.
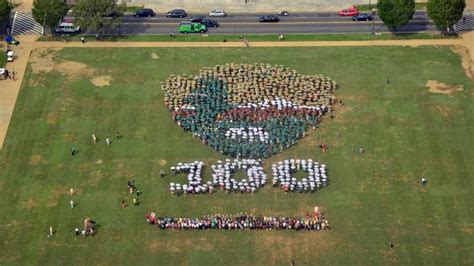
x=295, y=23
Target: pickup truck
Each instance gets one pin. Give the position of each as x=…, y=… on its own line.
x=191, y=27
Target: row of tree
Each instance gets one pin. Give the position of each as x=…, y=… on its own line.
x=444, y=13
x=98, y=15
x=95, y=15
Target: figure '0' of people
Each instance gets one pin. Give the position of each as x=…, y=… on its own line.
x=71, y=203
x=94, y=138
x=107, y=140
x=51, y=230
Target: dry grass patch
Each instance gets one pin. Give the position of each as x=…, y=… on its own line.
x=442, y=88
x=466, y=60
x=101, y=81
x=155, y=56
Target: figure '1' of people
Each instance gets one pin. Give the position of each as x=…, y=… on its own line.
x=107, y=140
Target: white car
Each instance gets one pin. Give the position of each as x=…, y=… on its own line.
x=217, y=13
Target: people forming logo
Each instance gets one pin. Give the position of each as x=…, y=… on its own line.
x=248, y=111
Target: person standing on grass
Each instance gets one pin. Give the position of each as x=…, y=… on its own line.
x=94, y=138
x=162, y=173
x=83, y=40
x=117, y=134
x=73, y=150
x=71, y=203
x=107, y=140
x=50, y=231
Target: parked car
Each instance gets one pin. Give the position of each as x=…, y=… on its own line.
x=270, y=18
x=210, y=23
x=112, y=14
x=67, y=27
x=363, y=17
x=191, y=27
x=177, y=13
x=217, y=13
x=283, y=13
x=351, y=11
x=197, y=19
x=145, y=12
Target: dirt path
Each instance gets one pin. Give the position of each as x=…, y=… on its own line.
x=10, y=88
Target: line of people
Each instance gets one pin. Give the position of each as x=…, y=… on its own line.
x=239, y=222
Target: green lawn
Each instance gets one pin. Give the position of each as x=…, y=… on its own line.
x=253, y=38
x=407, y=132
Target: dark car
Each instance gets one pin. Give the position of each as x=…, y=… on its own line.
x=177, y=13
x=146, y=12
x=197, y=19
x=270, y=18
x=210, y=23
x=113, y=14
x=363, y=17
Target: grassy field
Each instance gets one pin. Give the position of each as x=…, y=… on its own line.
x=407, y=132
x=253, y=38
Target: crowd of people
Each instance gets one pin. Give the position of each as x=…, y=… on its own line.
x=283, y=175
x=240, y=221
x=221, y=177
x=249, y=111
x=224, y=172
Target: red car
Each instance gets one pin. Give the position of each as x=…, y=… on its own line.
x=351, y=11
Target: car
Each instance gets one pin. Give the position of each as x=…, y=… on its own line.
x=197, y=19
x=67, y=27
x=210, y=23
x=177, y=13
x=270, y=18
x=191, y=27
x=363, y=17
x=283, y=13
x=217, y=13
x=145, y=12
x=112, y=14
x=351, y=11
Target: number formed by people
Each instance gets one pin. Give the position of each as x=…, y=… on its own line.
x=224, y=176
x=248, y=111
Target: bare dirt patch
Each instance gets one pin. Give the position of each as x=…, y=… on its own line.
x=162, y=162
x=52, y=118
x=442, y=88
x=99, y=161
x=36, y=159
x=101, y=81
x=43, y=60
x=29, y=204
x=155, y=56
x=70, y=137
x=466, y=60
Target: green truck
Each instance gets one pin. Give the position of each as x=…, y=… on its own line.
x=191, y=27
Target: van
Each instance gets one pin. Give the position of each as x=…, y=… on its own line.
x=67, y=27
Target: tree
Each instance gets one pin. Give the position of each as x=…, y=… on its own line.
x=396, y=13
x=98, y=15
x=49, y=12
x=445, y=13
x=5, y=9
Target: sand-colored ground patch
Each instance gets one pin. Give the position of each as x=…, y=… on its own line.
x=36, y=159
x=101, y=81
x=29, y=204
x=466, y=60
x=162, y=162
x=442, y=88
x=155, y=56
x=43, y=61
